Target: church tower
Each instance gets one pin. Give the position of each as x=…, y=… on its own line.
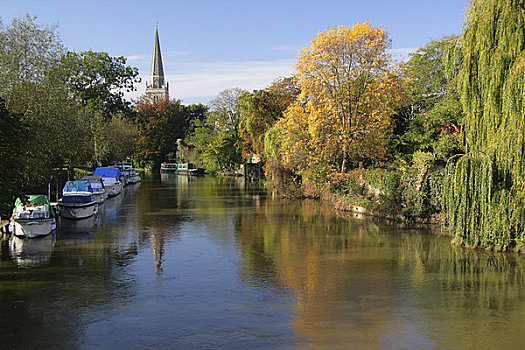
x=157, y=89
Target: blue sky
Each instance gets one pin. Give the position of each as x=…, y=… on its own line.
x=208, y=46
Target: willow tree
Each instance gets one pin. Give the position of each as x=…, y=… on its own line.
x=351, y=88
x=485, y=191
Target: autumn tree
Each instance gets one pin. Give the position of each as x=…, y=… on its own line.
x=350, y=87
x=484, y=194
x=160, y=124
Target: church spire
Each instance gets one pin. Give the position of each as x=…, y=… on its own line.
x=157, y=88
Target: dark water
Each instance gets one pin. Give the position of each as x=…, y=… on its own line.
x=213, y=263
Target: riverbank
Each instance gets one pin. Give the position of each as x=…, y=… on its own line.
x=410, y=197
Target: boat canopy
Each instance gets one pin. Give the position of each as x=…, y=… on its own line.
x=77, y=186
x=107, y=171
x=35, y=199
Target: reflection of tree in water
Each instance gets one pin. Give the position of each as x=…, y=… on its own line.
x=356, y=282
x=481, y=292
x=303, y=249
x=161, y=212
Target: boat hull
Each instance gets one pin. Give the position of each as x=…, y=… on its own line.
x=115, y=189
x=100, y=197
x=132, y=179
x=74, y=211
x=193, y=171
x=32, y=227
x=181, y=169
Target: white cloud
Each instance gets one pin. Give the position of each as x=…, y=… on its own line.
x=139, y=58
x=201, y=81
x=194, y=82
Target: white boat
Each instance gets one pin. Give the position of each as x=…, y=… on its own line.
x=130, y=175
x=32, y=217
x=97, y=186
x=112, y=179
x=181, y=168
x=77, y=200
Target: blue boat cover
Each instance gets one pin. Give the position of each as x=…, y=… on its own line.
x=107, y=171
x=73, y=186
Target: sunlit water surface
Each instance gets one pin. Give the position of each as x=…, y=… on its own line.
x=213, y=263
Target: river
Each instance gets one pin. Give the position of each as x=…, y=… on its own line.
x=183, y=262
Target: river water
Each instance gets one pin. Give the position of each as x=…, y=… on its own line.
x=215, y=263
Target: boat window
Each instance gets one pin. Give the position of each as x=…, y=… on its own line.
x=76, y=199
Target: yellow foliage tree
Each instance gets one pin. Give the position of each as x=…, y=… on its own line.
x=350, y=88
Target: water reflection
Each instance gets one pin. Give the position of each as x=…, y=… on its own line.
x=205, y=262
x=32, y=252
x=361, y=284
x=111, y=209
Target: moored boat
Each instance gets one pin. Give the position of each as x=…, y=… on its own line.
x=130, y=175
x=98, y=189
x=112, y=179
x=181, y=168
x=77, y=200
x=33, y=216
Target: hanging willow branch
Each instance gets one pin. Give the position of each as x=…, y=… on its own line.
x=485, y=189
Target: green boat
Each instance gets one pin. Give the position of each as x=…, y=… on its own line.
x=181, y=168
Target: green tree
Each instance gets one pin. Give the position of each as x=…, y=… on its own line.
x=99, y=81
x=197, y=141
x=28, y=53
x=13, y=139
x=432, y=123
x=116, y=139
x=222, y=153
x=193, y=113
x=32, y=82
x=427, y=72
x=485, y=200
x=260, y=109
